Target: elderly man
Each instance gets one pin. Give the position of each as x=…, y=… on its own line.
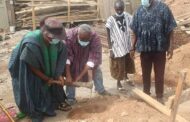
x=153, y=26
x=84, y=59
x=119, y=40
x=36, y=67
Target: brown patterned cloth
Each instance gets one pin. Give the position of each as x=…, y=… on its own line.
x=120, y=67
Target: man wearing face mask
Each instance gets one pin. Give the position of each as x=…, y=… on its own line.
x=153, y=26
x=84, y=59
x=119, y=41
x=36, y=67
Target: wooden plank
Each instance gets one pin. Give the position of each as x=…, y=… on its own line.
x=185, y=28
x=30, y=0
x=62, y=4
x=98, y=8
x=177, y=96
x=106, y=8
x=152, y=102
x=44, y=7
x=73, y=13
x=11, y=13
x=184, y=22
x=183, y=19
x=156, y=104
x=183, y=16
x=184, y=97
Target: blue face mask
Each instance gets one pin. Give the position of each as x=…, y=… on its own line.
x=83, y=43
x=54, y=41
x=145, y=3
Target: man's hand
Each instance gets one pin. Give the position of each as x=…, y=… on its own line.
x=170, y=54
x=111, y=54
x=62, y=80
x=77, y=79
x=50, y=81
x=132, y=54
x=69, y=79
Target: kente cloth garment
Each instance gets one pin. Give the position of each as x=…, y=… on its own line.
x=32, y=95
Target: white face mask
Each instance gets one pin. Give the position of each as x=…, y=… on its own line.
x=83, y=43
x=119, y=15
x=54, y=41
x=145, y=3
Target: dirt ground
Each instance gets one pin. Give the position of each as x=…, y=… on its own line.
x=121, y=107
x=179, y=7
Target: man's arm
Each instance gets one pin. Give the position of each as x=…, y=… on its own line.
x=171, y=47
x=109, y=38
x=109, y=42
x=40, y=74
x=45, y=78
x=170, y=25
x=87, y=69
x=68, y=72
x=134, y=41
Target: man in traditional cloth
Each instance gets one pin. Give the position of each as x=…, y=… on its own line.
x=119, y=41
x=84, y=59
x=36, y=67
x=153, y=26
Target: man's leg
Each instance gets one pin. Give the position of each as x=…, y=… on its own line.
x=119, y=86
x=146, y=64
x=70, y=92
x=159, y=69
x=58, y=95
x=98, y=81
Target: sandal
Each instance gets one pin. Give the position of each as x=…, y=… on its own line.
x=121, y=89
x=64, y=107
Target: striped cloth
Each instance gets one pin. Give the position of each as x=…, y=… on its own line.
x=120, y=34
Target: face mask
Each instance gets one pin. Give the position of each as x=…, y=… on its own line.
x=54, y=41
x=145, y=3
x=83, y=43
x=119, y=15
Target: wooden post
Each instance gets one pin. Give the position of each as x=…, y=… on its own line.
x=11, y=12
x=98, y=9
x=156, y=104
x=33, y=16
x=179, y=90
x=69, y=10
